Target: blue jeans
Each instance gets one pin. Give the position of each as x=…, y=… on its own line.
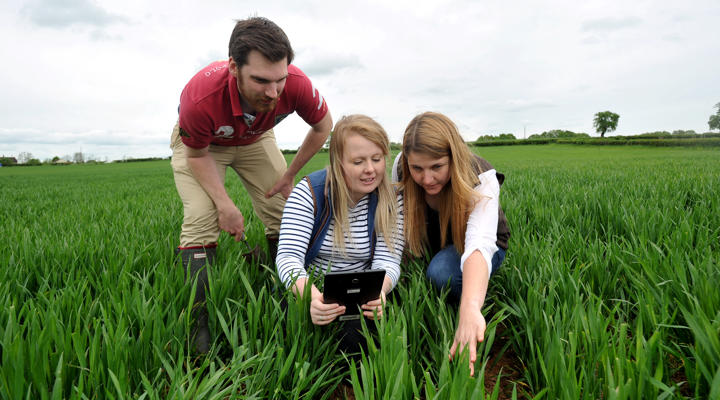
x=444, y=269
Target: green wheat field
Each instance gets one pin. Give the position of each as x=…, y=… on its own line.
x=610, y=290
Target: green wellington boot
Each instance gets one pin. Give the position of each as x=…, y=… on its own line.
x=198, y=260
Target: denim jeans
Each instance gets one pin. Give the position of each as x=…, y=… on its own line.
x=444, y=270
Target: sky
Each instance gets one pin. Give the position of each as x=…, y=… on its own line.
x=104, y=77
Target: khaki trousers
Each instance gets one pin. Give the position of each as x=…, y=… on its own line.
x=259, y=166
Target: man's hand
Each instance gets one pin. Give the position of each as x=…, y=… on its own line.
x=283, y=185
x=321, y=313
x=202, y=165
x=374, y=306
x=231, y=220
x=470, y=331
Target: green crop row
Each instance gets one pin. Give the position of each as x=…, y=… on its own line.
x=609, y=290
x=613, y=287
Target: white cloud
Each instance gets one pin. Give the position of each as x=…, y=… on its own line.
x=65, y=13
x=318, y=63
x=611, y=23
x=107, y=75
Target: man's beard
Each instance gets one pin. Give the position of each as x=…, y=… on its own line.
x=260, y=106
x=259, y=102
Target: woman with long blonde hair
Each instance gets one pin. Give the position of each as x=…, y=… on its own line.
x=344, y=218
x=452, y=216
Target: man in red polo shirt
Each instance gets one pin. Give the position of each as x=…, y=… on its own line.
x=226, y=118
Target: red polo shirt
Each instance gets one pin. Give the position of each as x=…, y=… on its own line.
x=210, y=111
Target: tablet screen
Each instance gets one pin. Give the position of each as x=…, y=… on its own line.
x=353, y=289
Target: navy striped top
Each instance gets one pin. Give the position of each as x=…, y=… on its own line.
x=296, y=228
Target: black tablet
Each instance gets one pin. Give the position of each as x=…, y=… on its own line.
x=353, y=289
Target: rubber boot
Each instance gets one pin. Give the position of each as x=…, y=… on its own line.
x=272, y=248
x=257, y=255
x=198, y=260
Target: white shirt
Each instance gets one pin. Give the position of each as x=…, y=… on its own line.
x=481, y=231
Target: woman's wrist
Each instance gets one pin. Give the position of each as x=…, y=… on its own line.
x=315, y=293
x=471, y=303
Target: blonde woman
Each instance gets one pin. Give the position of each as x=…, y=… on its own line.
x=344, y=218
x=453, y=216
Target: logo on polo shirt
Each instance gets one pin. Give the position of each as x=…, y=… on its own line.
x=224, y=132
x=215, y=69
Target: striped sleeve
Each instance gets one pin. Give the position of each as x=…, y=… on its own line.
x=295, y=230
x=390, y=260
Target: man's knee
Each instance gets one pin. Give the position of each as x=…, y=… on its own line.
x=270, y=213
x=199, y=227
x=200, y=219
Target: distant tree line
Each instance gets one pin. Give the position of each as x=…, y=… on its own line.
x=678, y=134
x=130, y=159
x=502, y=136
x=559, y=133
x=23, y=159
x=603, y=122
x=26, y=159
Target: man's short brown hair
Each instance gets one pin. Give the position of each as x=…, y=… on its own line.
x=263, y=35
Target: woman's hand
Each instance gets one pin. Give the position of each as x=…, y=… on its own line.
x=321, y=313
x=470, y=331
x=471, y=322
x=374, y=306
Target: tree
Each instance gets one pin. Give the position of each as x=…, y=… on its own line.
x=78, y=158
x=24, y=157
x=489, y=137
x=560, y=134
x=680, y=132
x=605, y=121
x=7, y=161
x=714, y=121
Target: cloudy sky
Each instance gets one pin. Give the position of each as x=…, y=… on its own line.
x=104, y=76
